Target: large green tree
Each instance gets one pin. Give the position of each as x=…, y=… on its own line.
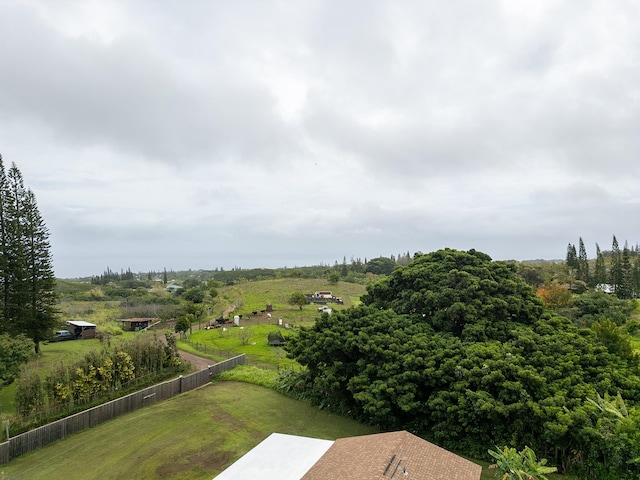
x=26, y=268
x=40, y=312
x=458, y=349
x=464, y=293
x=380, y=266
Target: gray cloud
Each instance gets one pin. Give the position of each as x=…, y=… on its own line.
x=267, y=134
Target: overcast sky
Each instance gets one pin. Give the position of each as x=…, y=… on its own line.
x=208, y=134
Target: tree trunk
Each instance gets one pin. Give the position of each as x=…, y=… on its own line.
x=36, y=346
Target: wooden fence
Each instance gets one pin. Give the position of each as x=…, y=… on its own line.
x=41, y=436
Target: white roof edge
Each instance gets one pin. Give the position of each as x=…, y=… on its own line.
x=265, y=460
x=80, y=323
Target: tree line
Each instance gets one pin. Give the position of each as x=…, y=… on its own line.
x=617, y=270
x=27, y=281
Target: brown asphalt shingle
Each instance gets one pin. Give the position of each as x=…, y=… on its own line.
x=386, y=455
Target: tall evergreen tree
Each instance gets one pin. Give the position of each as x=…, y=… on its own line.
x=626, y=274
x=616, y=266
x=4, y=268
x=583, y=263
x=572, y=259
x=600, y=274
x=636, y=275
x=28, y=283
x=40, y=314
x=15, y=308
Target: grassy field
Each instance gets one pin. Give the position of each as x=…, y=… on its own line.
x=254, y=296
x=251, y=340
x=193, y=436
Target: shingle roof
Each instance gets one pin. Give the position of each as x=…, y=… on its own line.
x=389, y=455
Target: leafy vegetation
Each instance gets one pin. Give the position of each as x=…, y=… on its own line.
x=298, y=299
x=452, y=345
x=521, y=465
x=14, y=351
x=458, y=348
x=44, y=393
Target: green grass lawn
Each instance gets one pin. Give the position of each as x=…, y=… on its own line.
x=256, y=295
x=220, y=343
x=192, y=436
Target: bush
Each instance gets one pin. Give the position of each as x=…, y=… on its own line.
x=14, y=351
x=109, y=328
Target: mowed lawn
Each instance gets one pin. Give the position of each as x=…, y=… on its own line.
x=192, y=436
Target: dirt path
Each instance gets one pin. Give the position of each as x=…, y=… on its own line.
x=199, y=363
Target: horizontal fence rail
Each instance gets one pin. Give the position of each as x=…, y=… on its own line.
x=41, y=436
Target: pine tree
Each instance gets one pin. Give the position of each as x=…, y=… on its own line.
x=636, y=276
x=28, y=283
x=583, y=263
x=15, y=306
x=616, y=267
x=626, y=274
x=600, y=274
x=4, y=268
x=572, y=260
x=40, y=310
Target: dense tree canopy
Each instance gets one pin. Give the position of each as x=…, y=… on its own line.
x=456, y=348
x=464, y=293
x=380, y=266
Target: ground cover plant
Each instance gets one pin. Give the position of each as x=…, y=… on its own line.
x=192, y=436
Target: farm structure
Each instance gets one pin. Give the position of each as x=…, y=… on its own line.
x=135, y=324
x=82, y=329
x=323, y=297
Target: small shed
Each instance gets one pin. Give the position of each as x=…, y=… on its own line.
x=135, y=324
x=82, y=329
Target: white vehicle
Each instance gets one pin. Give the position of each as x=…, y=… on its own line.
x=325, y=309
